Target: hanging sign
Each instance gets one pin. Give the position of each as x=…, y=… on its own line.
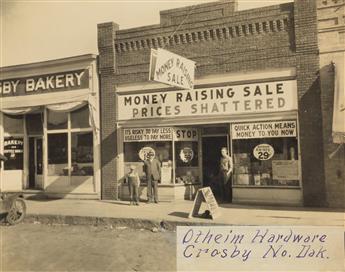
x=238, y=99
x=273, y=129
x=148, y=134
x=172, y=69
x=263, y=152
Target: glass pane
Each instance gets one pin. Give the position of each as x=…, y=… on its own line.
x=82, y=154
x=34, y=124
x=57, y=154
x=136, y=152
x=80, y=118
x=187, y=162
x=57, y=120
x=13, y=150
x=13, y=124
x=266, y=162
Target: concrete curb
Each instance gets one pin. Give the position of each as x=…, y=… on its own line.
x=133, y=223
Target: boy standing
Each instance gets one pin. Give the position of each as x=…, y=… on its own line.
x=133, y=185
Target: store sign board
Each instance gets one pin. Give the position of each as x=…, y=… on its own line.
x=239, y=99
x=172, y=69
x=205, y=195
x=148, y=134
x=65, y=81
x=186, y=134
x=285, y=170
x=273, y=129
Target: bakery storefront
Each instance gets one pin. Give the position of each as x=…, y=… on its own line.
x=186, y=130
x=49, y=128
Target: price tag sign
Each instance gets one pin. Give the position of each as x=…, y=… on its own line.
x=263, y=152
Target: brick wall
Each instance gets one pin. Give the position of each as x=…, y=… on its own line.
x=265, y=38
x=331, y=28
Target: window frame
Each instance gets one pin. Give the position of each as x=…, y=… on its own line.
x=69, y=130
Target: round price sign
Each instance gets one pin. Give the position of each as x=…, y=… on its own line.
x=146, y=152
x=263, y=152
x=186, y=154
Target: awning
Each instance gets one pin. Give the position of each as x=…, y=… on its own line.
x=63, y=102
x=338, y=128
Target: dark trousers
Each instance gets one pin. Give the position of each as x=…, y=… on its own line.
x=152, y=189
x=226, y=188
x=133, y=191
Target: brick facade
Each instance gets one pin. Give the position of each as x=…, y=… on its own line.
x=221, y=40
x=331, y=32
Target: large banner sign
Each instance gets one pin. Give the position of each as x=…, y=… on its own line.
x=273, y=129
x=238, y=99
x=65, y=81
x=171, y=69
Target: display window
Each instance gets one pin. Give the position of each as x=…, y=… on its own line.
x=58, y=154
x=175, y=148
x=82, y=154
x=137, y=152
x=265, y=154
x=70, y=143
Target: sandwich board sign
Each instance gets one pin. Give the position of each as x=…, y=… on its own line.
x=205, y=195
x=172, y=69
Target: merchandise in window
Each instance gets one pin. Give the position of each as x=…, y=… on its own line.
x=136, y=152
x=82, y=154
x=57, y=154
x=187, y=162
x=266, y=162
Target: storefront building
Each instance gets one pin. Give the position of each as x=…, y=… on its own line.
x=331, y=36
x=49, y=128
x=256, y=93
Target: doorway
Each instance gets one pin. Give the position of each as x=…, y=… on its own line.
x=35, y=163
x=211, y=146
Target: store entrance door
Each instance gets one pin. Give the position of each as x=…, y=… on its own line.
x=211, y=146
x=35, y=162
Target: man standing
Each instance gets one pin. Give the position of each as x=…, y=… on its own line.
x=152, y=168
x=226, y=168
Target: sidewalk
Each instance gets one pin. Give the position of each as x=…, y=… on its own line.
x=119, y=213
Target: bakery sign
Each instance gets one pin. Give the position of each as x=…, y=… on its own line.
x=65, y=81
x=223, y=100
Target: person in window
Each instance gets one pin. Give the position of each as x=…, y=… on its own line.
x=226, y=168
x=132, y=178
x=152, y=169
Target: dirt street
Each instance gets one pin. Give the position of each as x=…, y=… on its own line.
x=38, y=247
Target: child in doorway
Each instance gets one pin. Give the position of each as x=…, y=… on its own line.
x=133, y=181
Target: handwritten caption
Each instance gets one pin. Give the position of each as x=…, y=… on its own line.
x=260, y=248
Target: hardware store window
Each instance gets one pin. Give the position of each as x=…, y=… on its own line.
x=265, y=154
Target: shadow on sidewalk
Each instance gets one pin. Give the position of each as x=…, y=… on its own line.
x=280, y=208
x=179, y=214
